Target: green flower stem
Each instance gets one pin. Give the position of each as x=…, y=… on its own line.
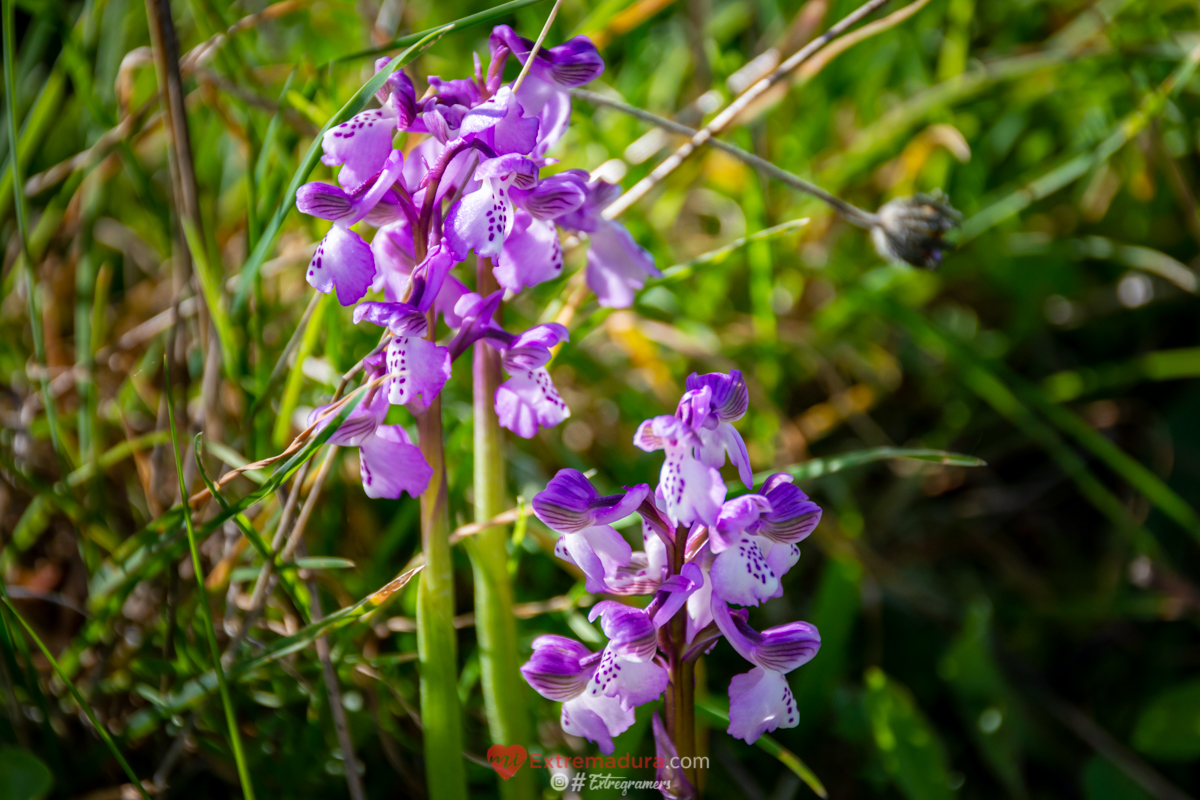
x=504, y=692
x=235, y=737
x=436, y=642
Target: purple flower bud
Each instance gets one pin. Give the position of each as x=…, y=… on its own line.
x=729, y=396
x=532, y=349
x=323, y=200
x=400, y=318
x=572, y=63
x=560, y=668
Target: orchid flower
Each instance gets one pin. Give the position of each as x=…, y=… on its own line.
x=343, y=261
x=527, y=401
x=599, y=691
x=761, y=700
x=701, y=553
x=390, y=464
x=571, y=506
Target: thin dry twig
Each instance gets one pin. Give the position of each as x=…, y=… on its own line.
x=725, y=117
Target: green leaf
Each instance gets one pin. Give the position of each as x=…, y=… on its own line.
x=985, y=701
x=816, y=467
x=714, y=715
x=1169, y=727
x=908, y=746
x=1103, y=781
x=324, y=562
x=23, y=776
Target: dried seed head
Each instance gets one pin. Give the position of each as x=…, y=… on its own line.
x=910, y=229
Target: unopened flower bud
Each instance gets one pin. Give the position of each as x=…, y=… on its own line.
x=910, y=229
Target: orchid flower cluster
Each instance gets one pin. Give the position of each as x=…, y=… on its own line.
x=705, y=559
x=481, y=153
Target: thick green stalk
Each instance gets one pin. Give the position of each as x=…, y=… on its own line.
x=437, y=648
x=235, y=737
x=504, y=692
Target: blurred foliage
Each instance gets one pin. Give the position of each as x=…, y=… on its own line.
x=971, y=618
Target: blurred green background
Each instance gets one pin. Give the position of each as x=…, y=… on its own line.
x=1027, y=629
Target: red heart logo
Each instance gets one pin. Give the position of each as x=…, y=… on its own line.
x=506, y=760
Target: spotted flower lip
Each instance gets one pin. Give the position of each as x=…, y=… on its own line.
x=343, y=262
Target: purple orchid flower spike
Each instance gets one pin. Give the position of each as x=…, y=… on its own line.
x=691, y=490
x=389, y=462
x=728, y=399
x=761, y=700
x=362, y=144
x=672, y=781
x=344, y=262
x=571, y=506
x=617, y=266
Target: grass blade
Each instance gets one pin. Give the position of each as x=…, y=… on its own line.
x=816, y=467
x=235, y=737
x=87, y=709
x=716, y=716
x=354, y=105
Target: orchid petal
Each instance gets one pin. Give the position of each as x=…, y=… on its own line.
x=343, y=262
x=528, y=401
x=391, y=464
x=418, y=369
x=760, y=701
